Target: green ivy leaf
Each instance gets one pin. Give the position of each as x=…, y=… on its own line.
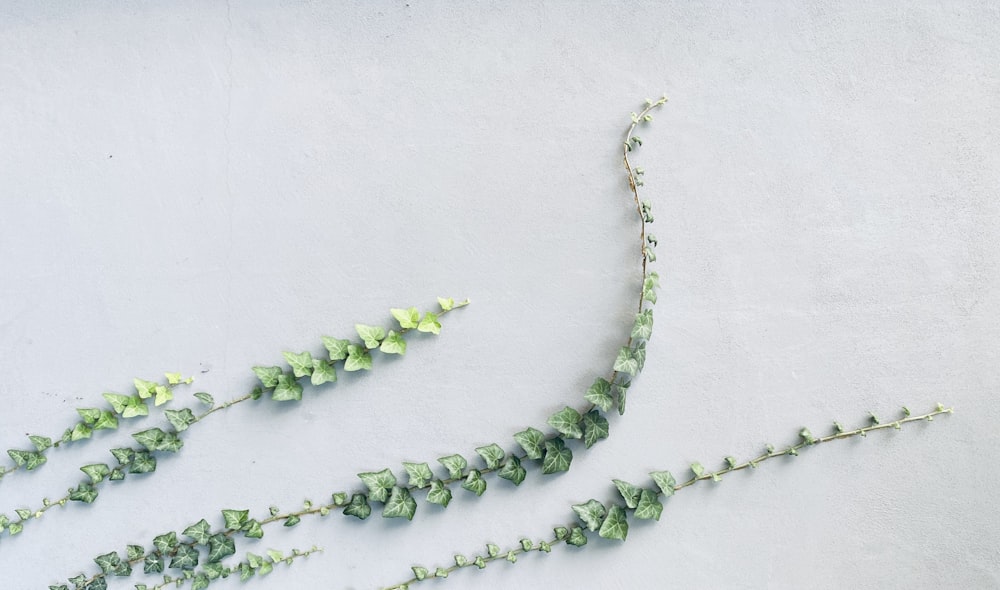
x=557, y=456
x=220, y=546
x=89, y=415
x=336, y=347
x=124, y=456
x=143, y=462
x=253, y=530
x=400, y=505
x=512, y=471
x=14, y=528
x=180, y=419
x=358, y=507
x=108, y=562
x=577, y=537
x=85, y=492
x=80, y=431
x=697, y=469
x=429, y=323
x=30, y=460
x=357, y=358
x=379, y=483
x=407, y=318
x=439, y=493
x=144, y=388
x=599, y=394
x=200, y=532
x=323, y=372
x=185, y=558
x=649, y=506
x=166, y=542
x=492, y=550
x=393, y=344
x=626, y=363
x=532, y=441
x=639, y=354
x=235, y=519
x=474, y=482
x=629, y=492
x=455, y=464
x=287, y=389
x=292, y=520
x=106, y=421
x=567, y=422
x=134, y=552
x=268, y=375
x=595, y=427
x=96, y=472
x=301, y=363
x=41, y=442
x=127, y=406
x=620, y=390
x=591, y=513
x=200, y=581
x=419, y=573
x=665, y=481
x=371, y=335
x=155, y=439
x=643, y=325
x=615, y=525
x=173, y=378
x=205, y=398
x=420, y=474
x=492, y=454
x=23, y=513
x=446, y=303
x=153, y=564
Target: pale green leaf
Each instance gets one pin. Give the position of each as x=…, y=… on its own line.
x=287, y=389
x=439, y=493
x=357, y=358
x=336, y=347
x=447, y=304
x=205, y=398
x=577, y=537
x=665, y=481
x=429, y=323
x=301, y=363
x=407, y=318
x=268, y=375
x=393, y=344
x=106, y=421
x=455, y=464
x=371, y=335
x=474, y=482
x=89, y=415
x=323, y=372
x=492, y=455
x=643, y=325
x=163, y=395
x=144, y=388
x=379, y=483
x=180, y=419
x=419, y=473
x=41, y=442
x=625, y=362
x=80, y=431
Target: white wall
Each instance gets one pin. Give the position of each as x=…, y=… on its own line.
x=195, y=187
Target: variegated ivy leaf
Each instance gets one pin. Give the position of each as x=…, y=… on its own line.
x=643, y=325
x=615, y=525
x=595, y=427
x=41, y=442
x=621, y=393
x=439, y=493
x=301, y=363
x=205, y=398
x=200, y=581
x=649, y=506
x=577, y=537
x=357, y=358
x=28, y=459
x=665, y=481
x=153, y=564
x=96, y=472
x=599, y=394
x=80, y=431
x=629, y=492
x=85, y=492
x=591, y=513
x=235, y=519
x=407, y=318
x=185, y=557
x=639, y=354
x=697, y=469
x=268, y=375
x=400, y=505
x=336, y=347
x=287, y=389
x=370, y=335
x=492, y=454
x=155, y=439
x=379, y=483
x=127, y=406
x=557, y=456
x=180, y=419
x=143, y=462
x=512, y=470
x=89, y=415
x=106, y=421
x=393, y=344
x=420, y=474
x=625, y=362
x=359, y=507
x=252, y=529
x=323, y=372
x=429, y=323
x=201, y=531
x=109, y=563
x=134, y=552
x=166, y=542
x=567, y=422
x=474, y=482
x=532, y=441
x=455, y=464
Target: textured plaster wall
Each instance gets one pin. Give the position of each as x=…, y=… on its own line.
x=196, y=186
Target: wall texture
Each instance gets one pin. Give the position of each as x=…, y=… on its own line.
x=197, y=186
